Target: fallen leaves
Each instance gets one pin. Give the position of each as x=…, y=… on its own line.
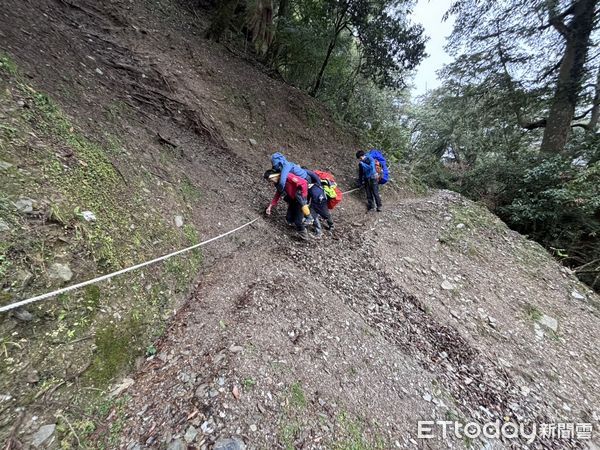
x=236, y=392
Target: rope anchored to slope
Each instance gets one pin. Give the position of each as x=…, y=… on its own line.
x=128, y=269
x=120, y=272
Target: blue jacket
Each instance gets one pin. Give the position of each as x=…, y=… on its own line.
x=366, y=169
x=284, y=166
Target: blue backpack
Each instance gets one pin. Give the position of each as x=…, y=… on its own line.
x=380, y=165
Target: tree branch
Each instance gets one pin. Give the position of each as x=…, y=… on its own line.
x=560, y=26
x=557, y=20
x=585, y=126
x=583, y=114
x=549, y=72
x=541, y=123
x=533, y=125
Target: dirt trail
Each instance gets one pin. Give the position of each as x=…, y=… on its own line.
x=326, y=348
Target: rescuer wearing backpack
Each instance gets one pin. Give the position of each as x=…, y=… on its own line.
x=318, y=203
x=370, y=176
x=285, y=168
x=295, y=195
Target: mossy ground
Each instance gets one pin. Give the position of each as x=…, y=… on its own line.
x=92, y=335
x=350, y=432
x=468, y=222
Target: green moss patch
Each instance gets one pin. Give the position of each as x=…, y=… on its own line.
x=354, y=437
x=84, y=340
x=468, y=224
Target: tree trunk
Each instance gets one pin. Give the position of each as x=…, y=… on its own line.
x=337, y=29
x=275, y=48
x=222, y=19
x=593, y=125
x=577, y=36
x=330, y=48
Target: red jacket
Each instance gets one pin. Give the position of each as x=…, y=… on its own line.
x=294, y=186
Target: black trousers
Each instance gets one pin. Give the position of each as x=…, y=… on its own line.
x=294, y=214
x=321, y=210
x=372, y=188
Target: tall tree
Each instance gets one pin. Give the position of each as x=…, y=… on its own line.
x=595, y=113
x=537, y=46
x=282, y=17
x=341, y=21
x=389, y=43
x=576, y=34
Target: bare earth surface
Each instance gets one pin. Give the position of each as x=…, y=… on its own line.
x=431, y=310
x=360, y=324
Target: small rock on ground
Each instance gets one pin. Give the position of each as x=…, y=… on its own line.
x=24, y=205
x=549, y=322
x=32, y=377
x=22, y=314
x=229, y=444
x=177, y=444
x=4, y=226
x=60, y=271
x=44, y=435
x=190, y=434
x=446, y=285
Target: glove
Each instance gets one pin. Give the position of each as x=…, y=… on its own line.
x=306, y=210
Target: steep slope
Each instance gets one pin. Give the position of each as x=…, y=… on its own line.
x=348, y=343
x=103, y=113
x=430, y=310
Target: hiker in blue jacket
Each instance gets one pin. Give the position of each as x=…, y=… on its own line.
x=367, y=175
x=283, y=166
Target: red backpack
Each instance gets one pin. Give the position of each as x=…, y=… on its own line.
x=332, y=191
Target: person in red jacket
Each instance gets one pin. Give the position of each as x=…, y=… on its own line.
x=295, y=195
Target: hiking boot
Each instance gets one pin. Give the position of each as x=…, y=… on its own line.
x=379, y=208
x=331, y=227
x=318, y=234
x=290, y=224
x=308, y=220
x=303, y=234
